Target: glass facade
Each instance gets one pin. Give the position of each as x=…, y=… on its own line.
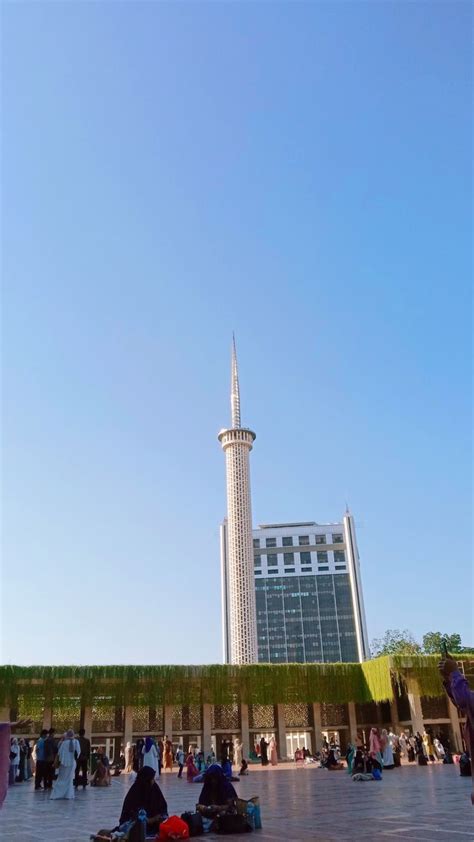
x=305, y=619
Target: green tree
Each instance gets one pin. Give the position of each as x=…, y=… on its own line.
x=432, y=642
x=395, y=642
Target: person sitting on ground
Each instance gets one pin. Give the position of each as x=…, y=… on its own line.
x=243, y=767
x=145, y=794
x=217, y=795
x=332, y=764
x=101, y=776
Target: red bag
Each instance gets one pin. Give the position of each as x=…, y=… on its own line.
x=173, y=828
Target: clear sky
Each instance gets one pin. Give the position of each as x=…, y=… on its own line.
x=298, y=173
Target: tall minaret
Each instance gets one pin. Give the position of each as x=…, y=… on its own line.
x=238, y=590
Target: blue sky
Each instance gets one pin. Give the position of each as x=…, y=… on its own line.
x=298, y=173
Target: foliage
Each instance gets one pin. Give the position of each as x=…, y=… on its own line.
x=432, y=643
x=188, y=685
x=395, y=642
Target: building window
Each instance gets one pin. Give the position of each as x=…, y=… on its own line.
x=257, y=561
x=337, y=538
x=289, y=569
x=270, y=542
x=322, y=558
x=304, y=540
x=323, y=569
x=320, y=539
x=288, y=558
x=256, y=543
x=272, y=558
x=305, y=558
x=287, y=542
x=339, y=557
x=340, y=567
x=306, y=569
x=257, y=572
x=274, y=570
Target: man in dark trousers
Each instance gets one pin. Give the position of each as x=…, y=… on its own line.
x=50, y=752
x=82, y=764
x=40, y=771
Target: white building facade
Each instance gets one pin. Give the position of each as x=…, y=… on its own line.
x=308, y=592
x=238, y=590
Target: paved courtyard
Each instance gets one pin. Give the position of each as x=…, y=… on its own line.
x=410, y=803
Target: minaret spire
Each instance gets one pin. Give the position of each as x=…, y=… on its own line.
x=235, y=388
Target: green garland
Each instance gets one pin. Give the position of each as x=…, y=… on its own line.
x=67, y=687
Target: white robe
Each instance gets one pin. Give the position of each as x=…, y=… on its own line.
x=63, y=787
x=150, y=758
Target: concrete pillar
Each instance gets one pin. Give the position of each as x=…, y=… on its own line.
x=168, y=720
x=394, y=716
x=127, y=724
x=5, y=714
x=455, y=725
x=281, y=731
x=206, y=729
x=317, y=736
x=47, y=717
x=86, y=720
x=416, y=713
x=352, y=722
x=244, y=730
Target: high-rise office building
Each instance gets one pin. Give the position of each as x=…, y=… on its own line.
x=309, y=599
x=309, y=594
x=238, y=589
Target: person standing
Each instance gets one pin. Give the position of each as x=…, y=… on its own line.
x=68, y=753
x=150, y=754
x=263, y=751
x=168, y=755
x=50, y=752
x=180, y=760
x=387, y=750
x=238, y=752
x=82, y=765
x=14, y=761
x=40, y=770
x=462, y=696
x=161, y=750
x=128, y=757
x=273, y=752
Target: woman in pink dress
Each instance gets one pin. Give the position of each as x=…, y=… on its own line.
x=273, y=752
x=191, y=770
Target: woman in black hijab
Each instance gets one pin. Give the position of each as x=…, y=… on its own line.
x=217, y=794
x=145, y=794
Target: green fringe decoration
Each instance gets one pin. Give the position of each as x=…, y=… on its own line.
x=67, y=687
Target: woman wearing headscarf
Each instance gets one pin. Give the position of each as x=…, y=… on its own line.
x=150, y=754
x=191, y=770
x=375, y=746
x=128, y=757
x=217, y=795
x=68, y=752
x=387, y=750
x=145, y=794
x=14, y=761
x=168, y=755
x=273, y=752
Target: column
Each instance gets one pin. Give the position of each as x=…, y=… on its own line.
x=281, y=731
x=206, y=729
x=86, y=720
x=394, y=716
x=127, y=724
x=5, y=714
x=47, y=717
x=244, y=730
x=317, y=736
x=352, y=722
x=455, y=725
x=416, y=713
x=168, y=721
